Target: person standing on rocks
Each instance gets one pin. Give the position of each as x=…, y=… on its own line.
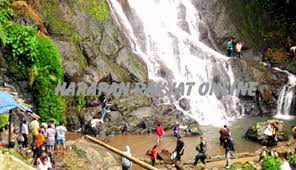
x=40, y=140
x=34, y=127
x=201, y=148
x=227, y=147
x=25, y=133
x=179, y=149
x=61, y=137
x=229, y=47
x=105, y=108
x=238, y=48
x=50, y=134
x=126, y=163
x=159, y=133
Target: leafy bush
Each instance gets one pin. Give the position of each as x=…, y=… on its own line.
x=292, y=161
x=48, y=72
x=3, y=120
x=271, y=163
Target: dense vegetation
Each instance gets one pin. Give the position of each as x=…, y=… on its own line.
x=264, y=23
x=34, y=58
x=271, y=163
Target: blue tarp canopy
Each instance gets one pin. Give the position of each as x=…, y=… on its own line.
x=7, y=103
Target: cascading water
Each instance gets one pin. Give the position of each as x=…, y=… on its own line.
x=164, y=33
x=286, y=99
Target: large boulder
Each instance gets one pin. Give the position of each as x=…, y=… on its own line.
x=87, y=155
x=73, y=61
x=256, y=132
x=214, y=14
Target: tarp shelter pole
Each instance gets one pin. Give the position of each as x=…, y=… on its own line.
x=9, y=128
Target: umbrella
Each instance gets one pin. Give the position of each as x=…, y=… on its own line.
x=7, y=103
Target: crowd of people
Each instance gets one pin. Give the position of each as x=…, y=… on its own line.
x=234, y=48
x=44, y=140
x=226, y=141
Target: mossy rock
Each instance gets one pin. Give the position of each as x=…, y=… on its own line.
x=133, y=64
x=255, y=132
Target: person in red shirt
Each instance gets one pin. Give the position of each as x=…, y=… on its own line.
x=154, y=155
x=159, y=133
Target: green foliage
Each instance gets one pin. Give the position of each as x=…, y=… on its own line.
x=100, y=10
x=248, y=17
x=49, y=68
x=3, y=120
x=36, y=59
x=80, y=102
x=282, y=14
x=264, y=23
x=2, y=36
x=271, y=163
x=55, y=17
x=292, y=161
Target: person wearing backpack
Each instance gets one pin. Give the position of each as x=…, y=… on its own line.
x=201, y=148
x=126, y=163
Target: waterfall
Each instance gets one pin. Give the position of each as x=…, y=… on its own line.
x=286, y=99
x=165, y=34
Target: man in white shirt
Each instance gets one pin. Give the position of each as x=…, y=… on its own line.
x=61, y=139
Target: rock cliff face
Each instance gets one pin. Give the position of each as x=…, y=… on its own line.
x=93, y=50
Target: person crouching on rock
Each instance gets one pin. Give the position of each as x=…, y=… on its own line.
x=269, y=133
x=159, y=133
x=153, y=155
x=201, y=148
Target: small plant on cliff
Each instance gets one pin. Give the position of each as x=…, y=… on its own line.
x=100, y=9
x=292, y=161
x=271, y=163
